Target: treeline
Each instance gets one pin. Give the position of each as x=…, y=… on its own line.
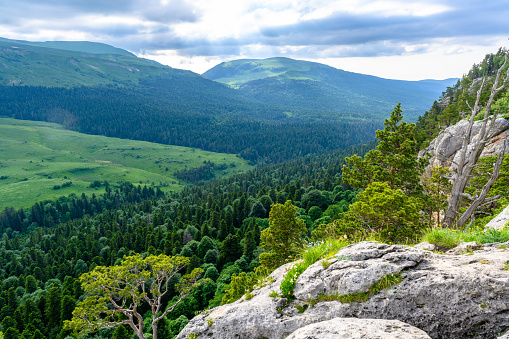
x=257, y=133
x=217, y=225
x=200, y=175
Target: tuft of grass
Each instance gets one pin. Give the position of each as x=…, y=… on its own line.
x=324, y=249
x=274, y=294
x=448, y=238
x=326, y=263
x=442, y=237
x=210, y=322
x=301, y=309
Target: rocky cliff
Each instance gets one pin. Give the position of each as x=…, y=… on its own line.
x=439, y=296
x=443, y=149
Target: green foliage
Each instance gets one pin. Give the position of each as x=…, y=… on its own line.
x=282, y=240
x=324, y=249
x=442, y=237
x=449, y=238
x=121, y=332
x=388, y=212
x=315, y=213
x=393, y=161
x=178, y=324
x=126, y=287
x=436, y=187
x=240, y=284
x=290, y=279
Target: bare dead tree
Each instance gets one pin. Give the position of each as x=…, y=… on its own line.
x=474, y=147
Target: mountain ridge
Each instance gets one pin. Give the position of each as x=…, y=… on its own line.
x=311, y=85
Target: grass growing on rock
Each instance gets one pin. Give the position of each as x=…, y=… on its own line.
x=322, y=250
x=386, y=282
x=449, y=238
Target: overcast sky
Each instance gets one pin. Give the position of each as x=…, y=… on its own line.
x=398, y=39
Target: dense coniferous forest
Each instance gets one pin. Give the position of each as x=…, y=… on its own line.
x=147, y=116
x=45, y=249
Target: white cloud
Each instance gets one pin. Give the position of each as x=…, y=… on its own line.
x=382, y=37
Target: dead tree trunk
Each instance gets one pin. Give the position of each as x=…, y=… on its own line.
x=474, y=147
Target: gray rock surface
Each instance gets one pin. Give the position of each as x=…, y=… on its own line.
x=444, y=147
x=500, y=220
x=425, y=246
x=446, y=296
x=353, y=328
x=464, y=248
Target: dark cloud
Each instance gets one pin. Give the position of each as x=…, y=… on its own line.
x=349, y=29
x=172, y=11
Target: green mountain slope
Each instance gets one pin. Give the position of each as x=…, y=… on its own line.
x=71, y=64
x=37, y=157
x=315, y=90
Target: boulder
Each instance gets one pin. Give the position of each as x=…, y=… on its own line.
x=500, y=220
x=446, y=296
x=353, y=328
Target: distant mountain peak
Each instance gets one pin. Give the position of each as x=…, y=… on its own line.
x=313, y=86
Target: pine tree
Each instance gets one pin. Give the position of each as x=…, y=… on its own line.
x=230, y=250
x=249, y=240
x=393, y=161
x=282, y=240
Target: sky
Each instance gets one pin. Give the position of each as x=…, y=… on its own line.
x=396, y=39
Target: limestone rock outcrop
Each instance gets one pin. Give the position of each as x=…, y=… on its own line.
x=446, y=296
x=443, y=149
x=354, y=328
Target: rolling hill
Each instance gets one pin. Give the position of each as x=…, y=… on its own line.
x=71, y=64
x=37, y=159
x=318, y=91
x=278, y=109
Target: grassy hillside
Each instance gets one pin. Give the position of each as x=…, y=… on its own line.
x=35, y=157
x=70, y=64
x=313, y=90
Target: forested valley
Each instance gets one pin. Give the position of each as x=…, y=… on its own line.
x=218, y=225
x=325, y=179
x=257, y=133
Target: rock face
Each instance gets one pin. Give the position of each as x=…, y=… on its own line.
x=446, y=296
x=444, y=148
x=500, y=220
x=353, y=328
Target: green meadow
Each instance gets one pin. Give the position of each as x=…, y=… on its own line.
x=38, y=160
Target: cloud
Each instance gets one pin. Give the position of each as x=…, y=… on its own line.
x=229, y=29
x=356, y=29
